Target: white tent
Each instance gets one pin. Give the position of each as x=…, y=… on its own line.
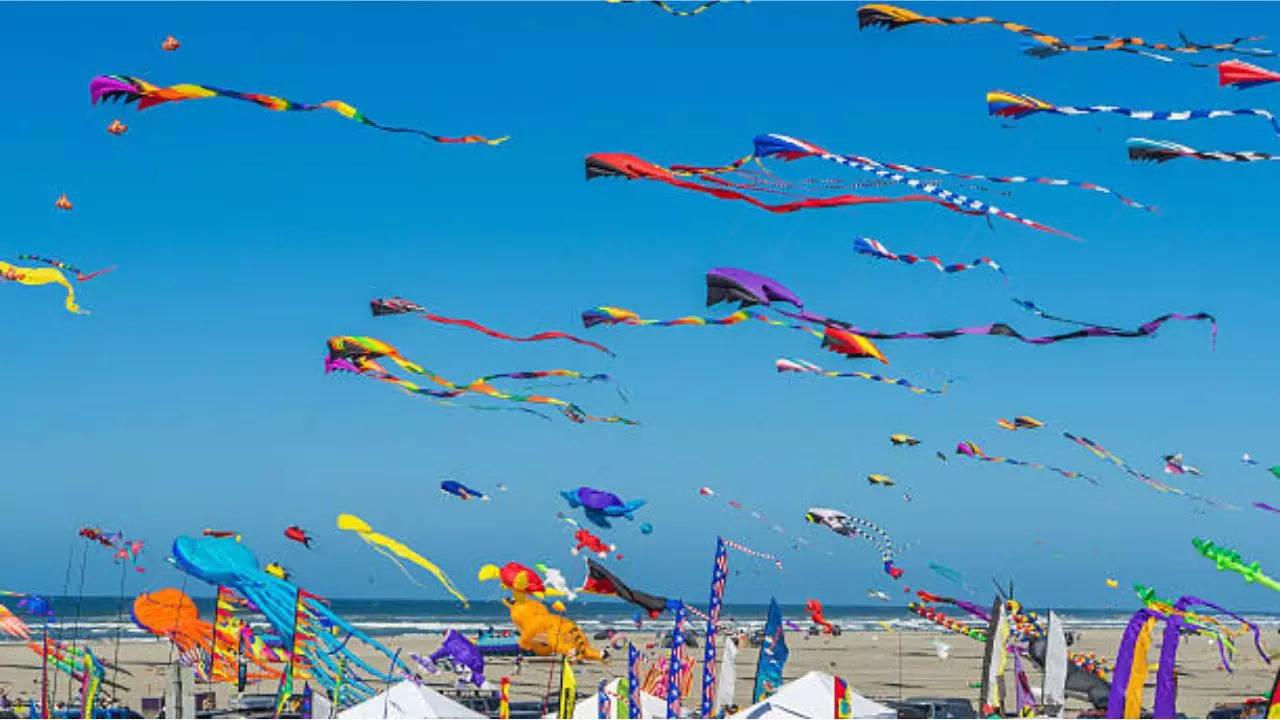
x=813, y=696
x=650, y=706
x=408, y=700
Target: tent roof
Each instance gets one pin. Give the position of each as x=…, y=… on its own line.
x=408, y=700
x=813, y=696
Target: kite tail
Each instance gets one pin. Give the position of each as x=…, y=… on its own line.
x=549, y=335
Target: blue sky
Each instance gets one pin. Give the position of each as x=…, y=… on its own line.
x=193, y=395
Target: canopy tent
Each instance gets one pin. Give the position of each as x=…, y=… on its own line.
x=408, y=700
x=813, y=696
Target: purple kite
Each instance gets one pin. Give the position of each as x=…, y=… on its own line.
x=748, y=288
x=599, y=505
x=461, y=652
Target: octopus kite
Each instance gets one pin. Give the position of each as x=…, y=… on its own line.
x=131, y=89
x=360, y=355
x=1001, y=103
x=852, y=527
x=400, y=306
x=1043, y=45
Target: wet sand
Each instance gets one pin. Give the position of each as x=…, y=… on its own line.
x=879, y=665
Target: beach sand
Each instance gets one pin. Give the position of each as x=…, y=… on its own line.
x=879, y=665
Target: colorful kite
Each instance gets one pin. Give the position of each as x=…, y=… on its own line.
x=457, y=489
x=878, y=479
x=804, y=366
x=1243, y=75
x=1042, y=45
x=41, y=276
x=903, y=439
x=586, y=540
x=672, y=11
x=554, y=579
x=874, y=248
x=704, y=180
x=117, y=128
x=1247, y=459
x=972, y=450
x=789, y=148
x=400, y=306
x=601, y=504
x=1228, y=559
x=170, y=44
x=360, y=354
x=277, y=571
x=600, y=581
x=81, y=276
x=852, y=527
x=1021, y=422
x=517, y=578
x=1011, y=105
x=814, y=608
x=62, y=203
x=131, y=89
x=1163, y=151
x=1173, y=465
x=390, y=548
x=1265, y=506
x=1105, y=454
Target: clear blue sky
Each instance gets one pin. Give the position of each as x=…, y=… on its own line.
x=193, y=396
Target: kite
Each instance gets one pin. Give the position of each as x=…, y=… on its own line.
x=814, y=608
x=517, y=578
x=877, y=595
x=41, y=276
x=1111, y=583
x=400, y=306
x=899, y=439
x=789, y=148
x=1173, y=465
x=804, y=366
x=940, y=456
x=555, y=580
x=298, y=535
x=600, y=581
x=1042, y=45
x=117, y=128
x=1000, y=329
x=209, y=532
x=457, y=489
x=131, y=89
x=951, y=575
x=1247, y=459
x=1021, y=422
x=874, y=248
x=1268, y=508
x=601, y=503
x=706, y=491
x=460, y=653
x=591, y=542
x=1242, y=75
x=390, y=548
x=12, y=625
x=543, y=633
x=360, y=354
x=276, y=570
x=1228, y=559
x=646, y=528
x=877, y=479
x=851, y=527
x=972, y=450
x=319, y=645
x=170, y=44
x=1275, y=470
x=726, y=284
x=81, y=275
x=631, y=167
x=1163, y=150
x=62, y=203
x=1001, y=103
x=1105, y=454
x=170, y=613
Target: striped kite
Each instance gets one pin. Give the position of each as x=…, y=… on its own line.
x=1163, y=151
x=874, y=248
x=851, y=527
x=400, y=306
x=1043, y=45
x=360, y=355
x=1021, y=422
x=1001, y=103
x=784, y=365
x=131, y=89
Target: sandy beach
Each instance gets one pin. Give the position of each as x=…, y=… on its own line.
x=880, y=665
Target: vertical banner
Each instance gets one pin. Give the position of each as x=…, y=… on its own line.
x=719, y=576
x=674, y=665
x=504, y=698
x=1053, y=694
x=568, y=688
x=843, y=700
x=603, y=705
x=773, y=655
x=633, y=682
x=727, y=678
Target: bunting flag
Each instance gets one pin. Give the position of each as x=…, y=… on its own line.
x=719, y=576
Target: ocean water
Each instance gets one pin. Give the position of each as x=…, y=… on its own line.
x=106, y=618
